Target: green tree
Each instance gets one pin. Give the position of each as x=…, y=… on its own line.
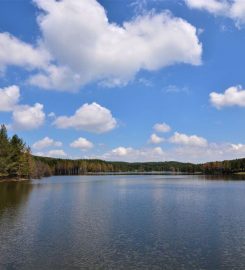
x=17, y=151
x=4, y=152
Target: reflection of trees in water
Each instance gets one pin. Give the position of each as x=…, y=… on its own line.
x=223, y=177
x=13, y=194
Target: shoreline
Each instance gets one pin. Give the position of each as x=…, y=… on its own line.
x=13, y=180
x=241, y=174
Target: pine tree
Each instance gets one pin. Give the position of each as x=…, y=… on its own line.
x=26, y=163
x=5, y=159
x=17, y=150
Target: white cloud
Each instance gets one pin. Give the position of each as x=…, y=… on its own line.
x=17, y=53
x=56, y=77
x=162, y=127
x=154, y=139
x=40, y=154
x=234, y=9
x=9, y=97
x=82, y=144
x=56, y=153
x=24, y=116
x=133, y=155
x=139, y=6
x=28, y=117
x=212, y=152
x=183, y=153
x=238, y=148
x=158, y=151
x=237, y=11
x=122, y=151
x=106, y=52
x=46, y=142
x=90, y=117
x=52, y=115
x=145, y=82
x=212, y=6
x=102, y=52
x=195, y=154
x=184, y=139
x=233, y=96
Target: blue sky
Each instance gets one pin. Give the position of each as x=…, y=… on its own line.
x=125, y=80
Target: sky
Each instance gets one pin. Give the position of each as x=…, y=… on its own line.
x=126, y=80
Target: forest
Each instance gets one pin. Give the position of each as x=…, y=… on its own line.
x=17, y=162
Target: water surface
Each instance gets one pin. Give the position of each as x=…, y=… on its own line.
x=123, y=222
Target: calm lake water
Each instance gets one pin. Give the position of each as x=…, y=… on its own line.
x=123, y=222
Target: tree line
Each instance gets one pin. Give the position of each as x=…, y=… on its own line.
x=93, y=166
x=16, y=161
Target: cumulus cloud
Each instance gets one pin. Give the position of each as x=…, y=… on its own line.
x=89, y=117
x=56, y=77
x=233, y=9
x=182, y=153
x=122, y=151
x=106, y=52
x=183, y=139
x=158, y=151
x=238, y=148
x=56, y=153
x=212, y=152
x=9, y=97
x=162, y=127
x=45, y=143
x=102, y=52
x=132, y=154
x=28, y=117
x=15, y=52
x=237, y=11
x=82, y=144
x=24, y=116
x=233, y=96
x=212, y=6
x=155, y=139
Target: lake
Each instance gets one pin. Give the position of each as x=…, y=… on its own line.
x=123, y=222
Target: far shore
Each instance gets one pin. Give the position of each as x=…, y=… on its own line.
x=166, y=173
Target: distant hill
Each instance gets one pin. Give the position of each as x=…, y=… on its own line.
x=85, y=166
